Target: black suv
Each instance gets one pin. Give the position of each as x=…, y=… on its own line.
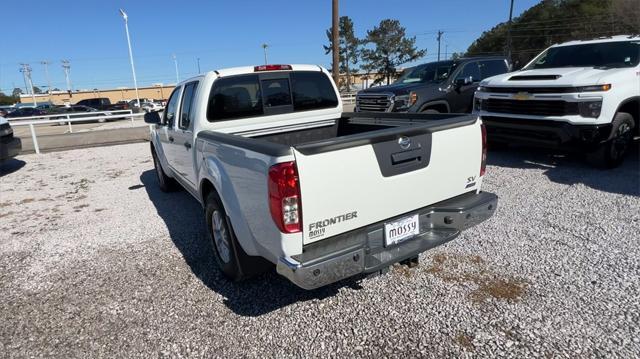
x=435, y=87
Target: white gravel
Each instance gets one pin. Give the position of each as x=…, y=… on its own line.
x=96, y=262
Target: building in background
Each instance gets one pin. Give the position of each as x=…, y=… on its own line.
x=160, y=92
x=156, y=92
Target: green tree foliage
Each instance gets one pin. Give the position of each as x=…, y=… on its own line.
x=557, y=21
x=7, y=100
x=349, y=50
x=37, y=90
x=16, y=92
x=389, y=48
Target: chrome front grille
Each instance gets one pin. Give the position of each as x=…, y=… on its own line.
x=375, y=102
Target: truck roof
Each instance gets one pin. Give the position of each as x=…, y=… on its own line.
x=600, y=40
x=242, y=70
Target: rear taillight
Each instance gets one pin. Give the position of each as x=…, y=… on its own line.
x=483, y=161
x=272, y=68
x=284, y=197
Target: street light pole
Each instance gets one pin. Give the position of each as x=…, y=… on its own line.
x=264, y=47
x=175, y=62
x=133, y=68
x=199, y=66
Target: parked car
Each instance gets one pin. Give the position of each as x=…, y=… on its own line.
x=134, y=103
x=286, y=179
x=5, y=110
x=152, y=107
x=10, y=146
x=26, y=112
x=77, y=111
x=45, y=106
x=102, y=104
x=436, y=87
x=581, y=96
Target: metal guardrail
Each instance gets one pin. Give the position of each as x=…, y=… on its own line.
x=66, y=118
x=70, y=114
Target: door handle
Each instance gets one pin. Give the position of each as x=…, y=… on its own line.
x=187, y=145
x=406, y=157
x=170, y=139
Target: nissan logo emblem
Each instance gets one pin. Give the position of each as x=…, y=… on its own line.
x=404, y=142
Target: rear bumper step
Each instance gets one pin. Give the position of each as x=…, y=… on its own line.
x=363, y=250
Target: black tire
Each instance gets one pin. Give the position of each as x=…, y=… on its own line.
x=611, y=153
x=166, y=183
x=430, y=110
x=234, y=262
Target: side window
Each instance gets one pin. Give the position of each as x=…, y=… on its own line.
x=492, y=68
x=276, y=92
x=172, y=107
x=188, y=96
x=312, y=90
x=470, y=70
x=235, y=97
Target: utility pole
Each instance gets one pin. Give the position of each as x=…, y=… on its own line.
x=264, y=48
x=335, y=41
x=439, y=38
x=446, y=49
x=199, y=66
x=24, y=77
x=175, y=62
x=26, y=71
x=46, y=73
x=509, y=33
x=133, y=68
x=66, y=67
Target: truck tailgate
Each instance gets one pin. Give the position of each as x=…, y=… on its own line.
x=352, y=184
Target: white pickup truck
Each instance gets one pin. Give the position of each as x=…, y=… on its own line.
x=286, y=178
x=580, y=96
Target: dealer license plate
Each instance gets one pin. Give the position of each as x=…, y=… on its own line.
x=401, y=230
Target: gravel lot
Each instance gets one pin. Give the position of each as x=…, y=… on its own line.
x=95, y=261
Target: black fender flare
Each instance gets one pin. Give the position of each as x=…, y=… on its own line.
x=435, y=103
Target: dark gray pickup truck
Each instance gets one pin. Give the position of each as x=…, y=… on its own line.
x=436, y=87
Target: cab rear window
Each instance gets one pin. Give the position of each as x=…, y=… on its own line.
x=250, y=95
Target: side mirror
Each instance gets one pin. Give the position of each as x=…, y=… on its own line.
x=152, y=118
x=464, y=81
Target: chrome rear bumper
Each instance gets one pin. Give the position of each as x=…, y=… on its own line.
x=363, y=250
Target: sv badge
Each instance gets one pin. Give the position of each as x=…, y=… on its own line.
x=471, y=181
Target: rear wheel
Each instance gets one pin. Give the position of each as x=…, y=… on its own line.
x=611, y=153
x=430, y=110
x=166, y=183
x=234, y=262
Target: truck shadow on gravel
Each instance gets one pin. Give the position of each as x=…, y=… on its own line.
x=183, y=217
x=10, y=166
x=574, y=169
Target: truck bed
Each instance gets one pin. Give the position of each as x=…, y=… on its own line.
x=372, y=166
x=354, y=129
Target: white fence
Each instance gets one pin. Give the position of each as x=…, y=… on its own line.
x=348, y=98
x=68, y=118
